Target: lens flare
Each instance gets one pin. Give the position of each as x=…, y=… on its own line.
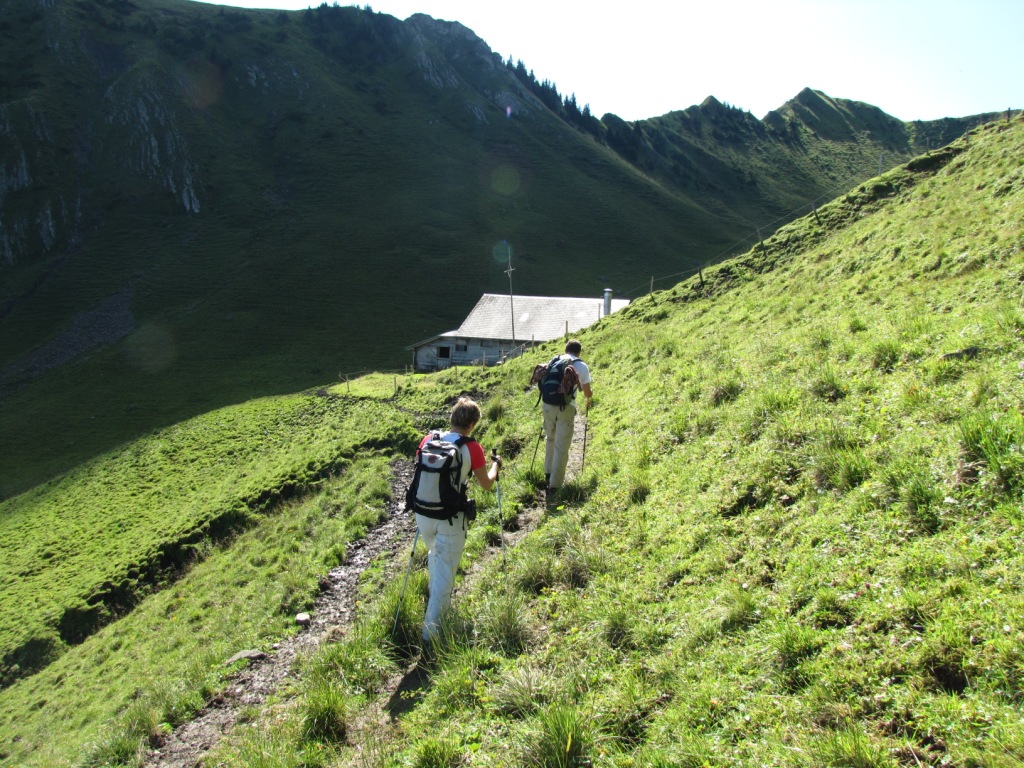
x=207, y=82
x=151, y=348
x=501, y=252
x=505, y=180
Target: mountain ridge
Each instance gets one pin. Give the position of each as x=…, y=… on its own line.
x=260, y=183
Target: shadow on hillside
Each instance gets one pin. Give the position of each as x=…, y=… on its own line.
x=573, y=493
x=410, y=691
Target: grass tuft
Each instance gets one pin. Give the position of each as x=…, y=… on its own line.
x=996, y=442
x=359, y=660
x=629, y=710
x=405, y=635
x=438, y=752
x=843, y=469
x=829, y=385
x=502, y=622
x=324, y=710
x=121, y=747
x=560, y=737
x=849, y=748
x=724, y=392
x=522, y=690
x=740, y=609
x=885, y=355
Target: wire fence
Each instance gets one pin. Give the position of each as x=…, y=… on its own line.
x=409, y=370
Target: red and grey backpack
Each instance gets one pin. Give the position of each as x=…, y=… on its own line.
x=557, y=380
x=436, y=490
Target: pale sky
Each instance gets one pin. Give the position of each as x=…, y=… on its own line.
x=915, y=59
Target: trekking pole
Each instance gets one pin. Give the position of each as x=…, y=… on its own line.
x=501, y=521
x=586, y=428
x=401, y=595
x=542, y=435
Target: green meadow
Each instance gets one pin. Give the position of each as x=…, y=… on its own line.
x=795, y=541
x=232, y=193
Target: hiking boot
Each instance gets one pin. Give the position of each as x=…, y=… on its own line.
x=428, y=655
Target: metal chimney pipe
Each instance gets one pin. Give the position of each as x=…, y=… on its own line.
x=607, y=301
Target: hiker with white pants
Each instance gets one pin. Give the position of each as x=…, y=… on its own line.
x=445, y=537
x=560, y=420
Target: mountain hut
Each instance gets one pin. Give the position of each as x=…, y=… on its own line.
x=486, y=335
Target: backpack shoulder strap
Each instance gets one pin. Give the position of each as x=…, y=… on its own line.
x=431, y=435
x=458, y=443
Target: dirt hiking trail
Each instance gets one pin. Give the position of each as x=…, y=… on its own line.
x=334, y=610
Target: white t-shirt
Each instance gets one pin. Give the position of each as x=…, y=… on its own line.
x=582, y=370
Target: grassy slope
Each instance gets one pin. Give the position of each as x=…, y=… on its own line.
x=163, y=661
x=769, y=171
x=795, y=541
x=212, y=533
x=81, y=550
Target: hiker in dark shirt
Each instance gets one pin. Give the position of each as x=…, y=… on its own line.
x=560, y=422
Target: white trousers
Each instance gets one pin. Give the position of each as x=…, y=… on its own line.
x=559, y=424
x=445, y=542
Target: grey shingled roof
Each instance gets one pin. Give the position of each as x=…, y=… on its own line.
x=538, y=318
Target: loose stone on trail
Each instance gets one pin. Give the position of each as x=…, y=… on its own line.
x=251, y=655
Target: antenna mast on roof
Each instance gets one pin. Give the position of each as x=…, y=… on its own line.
x=511, y=305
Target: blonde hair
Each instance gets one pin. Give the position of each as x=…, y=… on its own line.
x=465, y=413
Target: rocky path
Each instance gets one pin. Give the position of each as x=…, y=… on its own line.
x=186, y=746
x=334, y=608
